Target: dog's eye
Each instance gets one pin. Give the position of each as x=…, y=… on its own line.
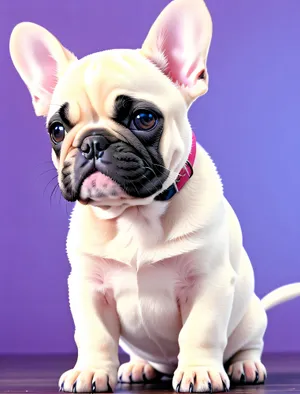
x=144, y=120
x=57, y=132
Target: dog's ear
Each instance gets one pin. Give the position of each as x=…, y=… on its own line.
x=40, y=60
x=178, y=43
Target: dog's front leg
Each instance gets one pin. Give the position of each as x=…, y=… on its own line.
x=97, y=337
x=205, y=310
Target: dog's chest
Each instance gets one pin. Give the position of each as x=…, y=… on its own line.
x=147, y=299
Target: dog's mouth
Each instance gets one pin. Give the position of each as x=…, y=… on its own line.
x=99, y=189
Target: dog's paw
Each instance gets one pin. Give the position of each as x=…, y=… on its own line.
x=88, y=381
x=200, y=380
x=137, y=372
x=247, y=372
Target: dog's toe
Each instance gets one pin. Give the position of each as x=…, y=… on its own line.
x=247, y=372
x=87, y=381
x=200, y=380
x=137, y=372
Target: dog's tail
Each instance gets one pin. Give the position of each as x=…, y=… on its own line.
x=281, y=295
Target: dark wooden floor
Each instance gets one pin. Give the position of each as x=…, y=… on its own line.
x=39, y=374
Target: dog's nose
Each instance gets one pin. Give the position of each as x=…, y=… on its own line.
x=93, y=147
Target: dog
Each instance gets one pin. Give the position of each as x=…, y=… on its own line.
x=156, y=251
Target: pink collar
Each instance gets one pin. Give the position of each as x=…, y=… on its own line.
x=185, y=174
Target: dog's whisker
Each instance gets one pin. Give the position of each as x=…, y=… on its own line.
x=166, y=169
x=46, y=172
x=65, y=203
x=149, y=180
x=161, y=183
x=53, y=193
x=131, y=184
x=150, y=169
x=57, y=190
x=51, y=180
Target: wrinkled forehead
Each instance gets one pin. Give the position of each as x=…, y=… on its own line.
x=94, y=82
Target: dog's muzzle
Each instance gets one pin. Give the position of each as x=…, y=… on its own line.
x=104, y=165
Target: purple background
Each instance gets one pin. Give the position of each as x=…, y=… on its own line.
x=249, y=122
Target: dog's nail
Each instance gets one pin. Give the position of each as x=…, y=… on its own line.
x=265, y=378
x=120, y=378
x=130, y=378
x=62, y=386
x=74, y=388
x=209, y=387
x=191, y=388
x=94, y=387
x=256, y=377
x=145, y=378
x=225, y=388
x=178, y=387
x=243, y=378
x=109, y=389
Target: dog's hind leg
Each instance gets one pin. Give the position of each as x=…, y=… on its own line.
x=245, y=347
x=137, y=370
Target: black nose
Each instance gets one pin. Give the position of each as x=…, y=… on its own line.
x=94, y=146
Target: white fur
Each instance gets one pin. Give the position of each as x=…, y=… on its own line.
x=170, y=281
x=198, y=263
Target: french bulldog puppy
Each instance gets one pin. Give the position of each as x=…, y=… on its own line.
x=156, y=251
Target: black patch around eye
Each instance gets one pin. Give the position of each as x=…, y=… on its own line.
x=126, y=106
x=122, y=109
x=64, y=114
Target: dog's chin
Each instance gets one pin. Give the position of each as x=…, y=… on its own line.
x=101, y=191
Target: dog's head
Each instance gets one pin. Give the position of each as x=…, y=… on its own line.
x=117, y=120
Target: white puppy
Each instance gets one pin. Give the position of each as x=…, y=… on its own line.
x=156, y=251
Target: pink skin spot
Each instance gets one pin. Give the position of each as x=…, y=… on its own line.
x=98, y=186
